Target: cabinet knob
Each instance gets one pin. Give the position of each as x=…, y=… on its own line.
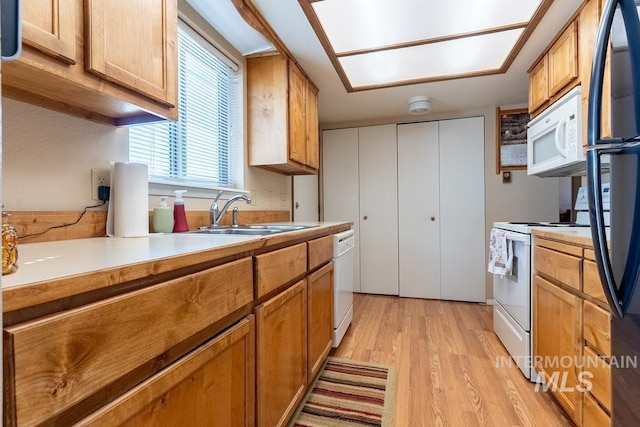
x=365, y=217
x=433, y=218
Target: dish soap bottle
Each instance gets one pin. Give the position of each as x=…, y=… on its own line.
x=162, y=217
x=179, y=216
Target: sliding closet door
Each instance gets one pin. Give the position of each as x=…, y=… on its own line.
x=378, y=170
x=419, y=210
x=462, y=217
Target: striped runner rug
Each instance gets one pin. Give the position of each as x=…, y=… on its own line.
x=349, y=393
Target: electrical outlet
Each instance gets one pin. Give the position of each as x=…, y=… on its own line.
x=283, y=200
x=254, y=197
x=98, y=177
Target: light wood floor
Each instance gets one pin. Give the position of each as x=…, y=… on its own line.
x=445, y=357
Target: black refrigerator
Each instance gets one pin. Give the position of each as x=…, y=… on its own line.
x=617, y=52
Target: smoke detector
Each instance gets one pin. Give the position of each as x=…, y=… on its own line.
x=419, y=105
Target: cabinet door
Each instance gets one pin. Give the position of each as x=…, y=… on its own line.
x=320, y=318
x=462, y=218
x=133, y=52
x=378, y=178
x=587, y=28
x=557, y=342
x=281, y=355
x=50, y=26
x=419, y=210
x=539, y=85
x=313, y=159
x=213, y=385
x=297, y=120
x=341, y=193
x=563, y=59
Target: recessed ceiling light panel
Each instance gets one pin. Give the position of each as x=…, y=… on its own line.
x=431, y=61
x=386, y=43
x=353, y=25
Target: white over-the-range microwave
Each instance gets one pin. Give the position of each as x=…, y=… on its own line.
x=554, y=139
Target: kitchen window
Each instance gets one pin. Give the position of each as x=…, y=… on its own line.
x=201, y=149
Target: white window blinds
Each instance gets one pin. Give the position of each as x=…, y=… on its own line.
x=199, y=149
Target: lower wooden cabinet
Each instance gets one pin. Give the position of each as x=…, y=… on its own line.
x=281, y=361
x=213, y=385
x=572, y=329
x=92, y=352
x=592, y=414
x=557, y=342
x=320, y=318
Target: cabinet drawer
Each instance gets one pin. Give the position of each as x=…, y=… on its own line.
x=213, y=385
x=600, y=377
x=320, y=251
x=562, y=267
x=596, y=328
x=82, y=351
x=592, y=414
x=277, y=268
x=592, y=284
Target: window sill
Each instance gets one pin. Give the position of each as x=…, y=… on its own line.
x=163, y=188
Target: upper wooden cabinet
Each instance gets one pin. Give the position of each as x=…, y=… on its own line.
x=539, y=84
x=130, y=51
x=313, y=152
x=588, y=22
x=51, y=27
x=551, y=75
x=567, y=63
x=283, y=116
x=563, y=60
x=113, y=62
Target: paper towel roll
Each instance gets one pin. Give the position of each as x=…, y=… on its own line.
x=128, y=214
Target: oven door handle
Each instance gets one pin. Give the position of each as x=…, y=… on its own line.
x=519, y=237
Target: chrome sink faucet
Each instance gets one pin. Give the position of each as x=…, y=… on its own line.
x=216, y=214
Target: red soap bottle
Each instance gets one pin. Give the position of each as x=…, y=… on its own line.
x=179, y=216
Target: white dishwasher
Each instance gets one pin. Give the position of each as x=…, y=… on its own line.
x=343, y=255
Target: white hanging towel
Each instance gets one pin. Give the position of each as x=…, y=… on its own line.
x=500, y=253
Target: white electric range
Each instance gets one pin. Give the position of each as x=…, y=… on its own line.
x=512, y=321
x=512, y=309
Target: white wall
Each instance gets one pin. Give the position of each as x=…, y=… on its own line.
x=48, y=156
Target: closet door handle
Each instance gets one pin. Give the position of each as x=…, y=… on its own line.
x=433, y=218
x=365, y=217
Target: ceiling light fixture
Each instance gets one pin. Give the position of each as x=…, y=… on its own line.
x=419, y=105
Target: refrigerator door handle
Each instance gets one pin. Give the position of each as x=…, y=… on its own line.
x=619, y=297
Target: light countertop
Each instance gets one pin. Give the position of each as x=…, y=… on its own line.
x=573, y=235
x=52, y=270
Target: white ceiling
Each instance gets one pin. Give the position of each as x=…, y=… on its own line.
x=337, y=106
